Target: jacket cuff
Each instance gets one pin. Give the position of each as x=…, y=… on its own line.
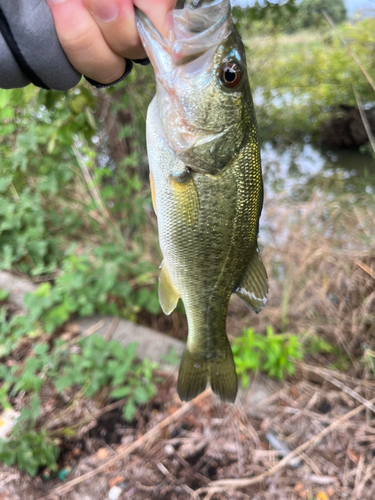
x=128, y=68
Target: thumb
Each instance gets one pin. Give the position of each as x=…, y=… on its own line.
x=159, y=13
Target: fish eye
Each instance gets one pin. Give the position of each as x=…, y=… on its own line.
x=231, y=74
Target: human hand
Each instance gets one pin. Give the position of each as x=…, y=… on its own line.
x=96, y=35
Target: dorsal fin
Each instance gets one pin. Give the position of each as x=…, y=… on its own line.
x=253, y=286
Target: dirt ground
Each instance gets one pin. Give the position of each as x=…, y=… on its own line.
x=175, y=450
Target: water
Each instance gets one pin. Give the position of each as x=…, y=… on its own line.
x=298, y=169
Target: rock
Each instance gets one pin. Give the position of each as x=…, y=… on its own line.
x=152, y=345
x=259, y=390
x=8, y=419
x=16, y=287
x=169, y=450
x=114, y=493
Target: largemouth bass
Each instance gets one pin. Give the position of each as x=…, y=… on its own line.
x=206, y=184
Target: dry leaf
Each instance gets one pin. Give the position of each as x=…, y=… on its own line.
x=352, y=455
x=115, y=480
x=73, y=328
x=330, y=491
x=301, y=491
x=322, y=495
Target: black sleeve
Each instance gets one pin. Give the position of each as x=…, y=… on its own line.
x=30, y=51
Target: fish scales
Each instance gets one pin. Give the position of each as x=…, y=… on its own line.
x=208, y=194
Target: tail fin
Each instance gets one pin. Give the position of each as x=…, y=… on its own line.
x=195, y=371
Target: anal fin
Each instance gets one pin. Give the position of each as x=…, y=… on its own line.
x=253, y=286
x=168, y=295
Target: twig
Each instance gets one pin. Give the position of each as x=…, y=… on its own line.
x=129, y=449
x=90, y=184
x=8, y=479
x=368, y=476
x=340, y=385
x=366, y=268
x=366, y=125
x=92, y=329
x=165, y=471
x=112, y=327
x=223, y=484
x=332, y=23
x=211, y=493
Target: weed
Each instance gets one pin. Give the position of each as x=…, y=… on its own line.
x=91, y=365
x=272, y=354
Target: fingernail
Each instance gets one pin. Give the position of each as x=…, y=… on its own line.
x=105, y=11
x=54, y=2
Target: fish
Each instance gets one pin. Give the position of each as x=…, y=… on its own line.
x=206, y=184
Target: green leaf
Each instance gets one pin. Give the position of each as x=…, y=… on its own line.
x=5, y=181
x=129, y=411
x=4, y=97
x=120, y=392
x=141, y=395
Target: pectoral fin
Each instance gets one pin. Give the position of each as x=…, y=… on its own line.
x=185, y=197
x=153, y=197
x=168, y=295
x=253, y=286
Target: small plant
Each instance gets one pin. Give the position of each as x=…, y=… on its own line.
x=90, y=366
x=95, y=281
x=273, y=354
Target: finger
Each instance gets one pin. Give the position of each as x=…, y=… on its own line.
x=116, y=21
x=83, y=42
x=159, y=13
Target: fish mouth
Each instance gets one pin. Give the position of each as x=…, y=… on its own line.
x=195, y=31
x=199, y=28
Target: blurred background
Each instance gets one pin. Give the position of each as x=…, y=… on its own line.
x=76, y=221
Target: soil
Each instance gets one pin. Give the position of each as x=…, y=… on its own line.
x=214, y=441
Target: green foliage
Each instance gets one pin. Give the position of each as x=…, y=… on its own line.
x=94, y=364
x=24, y=238
x=272, y=354
x=310, y=13
x=318, y=345
x=94, y=281
x=33, y=451
x=301, y=80
x=58, y=184
x=369, y=359
x=266, y=11
x=56, y=188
